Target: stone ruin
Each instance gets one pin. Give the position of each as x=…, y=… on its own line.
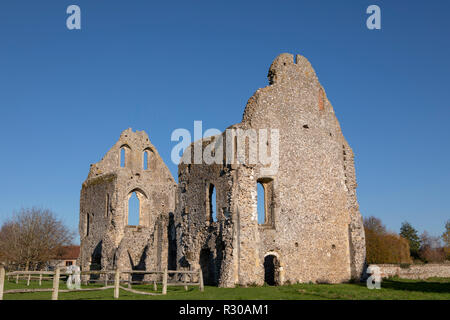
x=107, y=239
x=312, y=229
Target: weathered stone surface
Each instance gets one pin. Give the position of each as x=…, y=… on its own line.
x=423, y=271
x=313, y=229
x=107, y=241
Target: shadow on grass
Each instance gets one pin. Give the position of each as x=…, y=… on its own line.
x=419, y=286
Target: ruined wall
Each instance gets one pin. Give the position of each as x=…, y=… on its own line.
x=312, y=230
x=107, y=241
x=315, y=229
x=422, y=271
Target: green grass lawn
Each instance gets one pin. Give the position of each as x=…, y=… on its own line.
x=391, y=289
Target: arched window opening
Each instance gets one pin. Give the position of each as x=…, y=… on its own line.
x=133, y=210
x=265, y=202
x=211, y=204
x=146, y=156
x=122, y=157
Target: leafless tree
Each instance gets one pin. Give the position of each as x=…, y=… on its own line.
x=31, y=237
x=431, y=249
x=374, y=224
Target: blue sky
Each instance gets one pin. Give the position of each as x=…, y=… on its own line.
x=65, y=96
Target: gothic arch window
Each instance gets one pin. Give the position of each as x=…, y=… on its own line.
x=136, y=204
x=147, y=156
x=133, y=210
x=124, y=156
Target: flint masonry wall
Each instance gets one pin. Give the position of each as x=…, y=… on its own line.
x=424, y=271
x=314, y=229
x=107, y=241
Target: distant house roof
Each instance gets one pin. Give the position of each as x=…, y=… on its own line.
x=68, y=253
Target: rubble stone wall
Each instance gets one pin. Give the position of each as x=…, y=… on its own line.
x=312, y=229
x=107, y=241
x=315, y=231
x=421, y=271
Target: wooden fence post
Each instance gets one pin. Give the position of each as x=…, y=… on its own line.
x=40, y=279
x=200, y=277
x=29, y=278
x=155, y=287
x=184, y=280
x=55, y=284
x=130, y=277
x=2, y=281
x=116, y=284
x=17, y=278
x=164, y=289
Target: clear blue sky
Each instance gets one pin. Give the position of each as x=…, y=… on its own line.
x=65, y=96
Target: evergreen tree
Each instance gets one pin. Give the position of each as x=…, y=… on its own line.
x=409, y=233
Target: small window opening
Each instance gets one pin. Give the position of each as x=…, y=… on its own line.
x=261, y=207
x=145, y=164
x=122, y=157
x=212, y=204
x=88, y=217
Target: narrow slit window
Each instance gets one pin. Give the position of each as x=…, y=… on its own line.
x=146, y=159
x=265, y=202
x=212, y=204
x=107, y=205
x=87, y=223
x=261, y=204
x=122, y=157
x=145, y=164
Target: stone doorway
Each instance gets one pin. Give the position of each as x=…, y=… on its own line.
x=208, y=266
x=271, y=270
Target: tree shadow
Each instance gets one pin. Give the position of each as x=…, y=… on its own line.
x=419, y=286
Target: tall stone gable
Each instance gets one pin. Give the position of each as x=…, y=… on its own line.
x=107, y=239
x=313, y=229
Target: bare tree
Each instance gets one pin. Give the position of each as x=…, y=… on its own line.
x=374, y=224
x=32, y=237
x=431, y=249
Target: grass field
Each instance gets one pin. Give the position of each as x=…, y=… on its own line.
x=391, y=289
